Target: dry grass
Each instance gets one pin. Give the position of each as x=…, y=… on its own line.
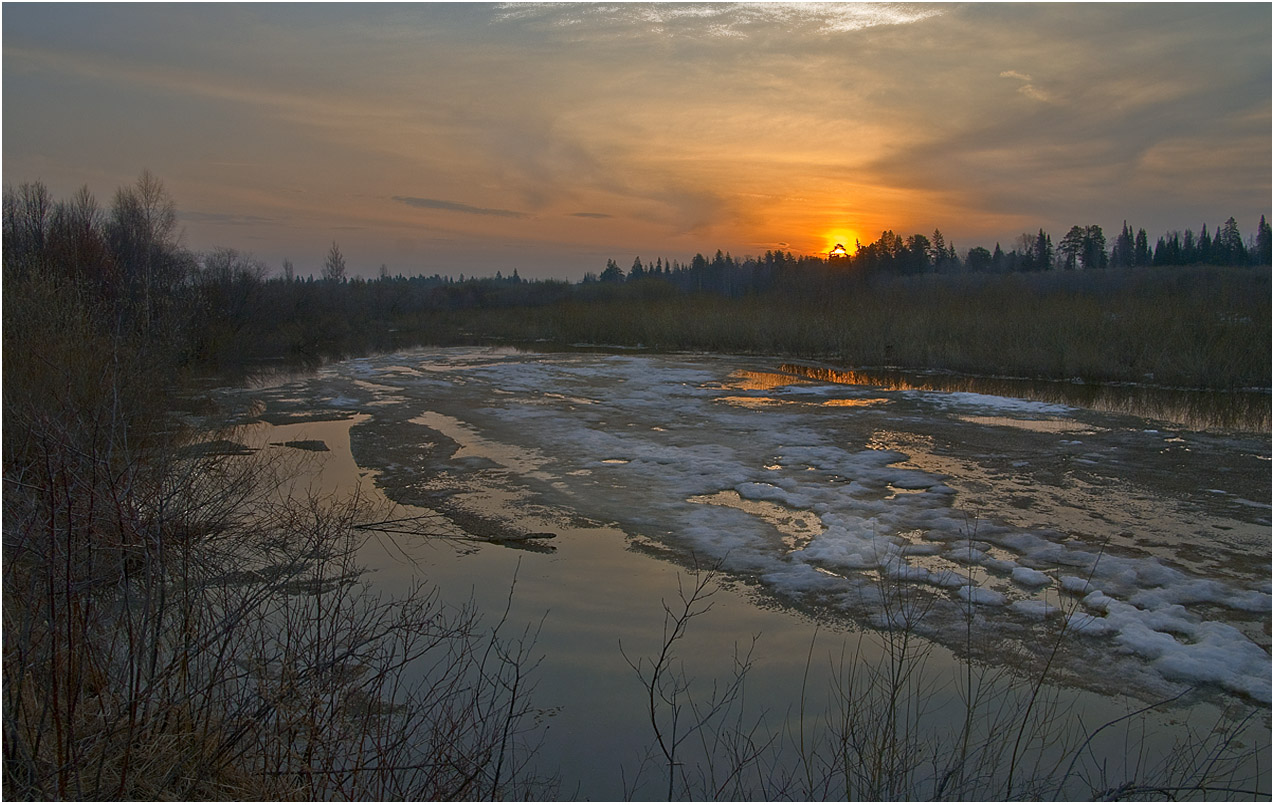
x=897, y=729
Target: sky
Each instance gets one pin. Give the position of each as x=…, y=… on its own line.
x=471, y=138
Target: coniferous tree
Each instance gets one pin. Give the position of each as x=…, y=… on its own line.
x=612, y=273
x=1141, y=250
x=1094, y=247
x=1071, y=248
x=334, y=265
x=938, y=249
x=1204, y=246
x=1122, y=252
x=1230, y=245
x=1043, y=258
x=1263, y=255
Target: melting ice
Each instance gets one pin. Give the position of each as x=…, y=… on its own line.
x=1151, y=545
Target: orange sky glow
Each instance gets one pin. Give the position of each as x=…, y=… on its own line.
x=472, y=137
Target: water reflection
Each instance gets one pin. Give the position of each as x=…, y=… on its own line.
x=747, y=380
x=1223, y=411
x=1050, y=425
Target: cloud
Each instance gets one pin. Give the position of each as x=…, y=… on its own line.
x=591, y=215
x=1027, y=88
x=231, y=219
x=455, y=206
x=715, y=20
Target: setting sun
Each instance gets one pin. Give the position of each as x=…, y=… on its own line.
x=840, y=244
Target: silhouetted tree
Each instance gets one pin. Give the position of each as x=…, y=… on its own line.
x=612, y=273
x=1263, y=242
x=1070, y=248
x=1204, y=247
x=1093, y=252
x=334, y=265
x=142, y=231
x=27, y=213
x=1043, y=253
x=979, y=259
x=938, y=250
x=1229, y=245
x=1141, y=249
x=1122, y=251
x=915, y=256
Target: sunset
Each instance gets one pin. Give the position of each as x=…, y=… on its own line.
x=765, y=401
x=472, y=138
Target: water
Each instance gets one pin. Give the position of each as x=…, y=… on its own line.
x=814, y=490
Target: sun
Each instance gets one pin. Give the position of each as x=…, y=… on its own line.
x=840, y=243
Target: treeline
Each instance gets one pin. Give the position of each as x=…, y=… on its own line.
x=224, y=309
x=1082, y=247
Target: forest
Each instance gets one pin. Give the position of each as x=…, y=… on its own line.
x=1193, y=311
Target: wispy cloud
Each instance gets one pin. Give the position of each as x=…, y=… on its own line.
x=455, y=206
x=717, y=20
x=1026, y=86
x=591, y=215
x=231, y=219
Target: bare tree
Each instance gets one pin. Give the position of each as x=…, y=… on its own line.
x=143, y=236
x=27, y=213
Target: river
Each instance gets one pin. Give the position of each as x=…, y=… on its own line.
x=1142, y=535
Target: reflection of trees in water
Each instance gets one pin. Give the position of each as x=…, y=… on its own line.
x=1198, y=410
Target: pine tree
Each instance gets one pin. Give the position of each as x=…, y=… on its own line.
x=1263, y=242
x=938, y=250
x=1122, y=252
x=1141, y=251
x=613, y=272
x=1230, y=244
x=1204, y=246
x=334, y=265
x=1043, y=257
